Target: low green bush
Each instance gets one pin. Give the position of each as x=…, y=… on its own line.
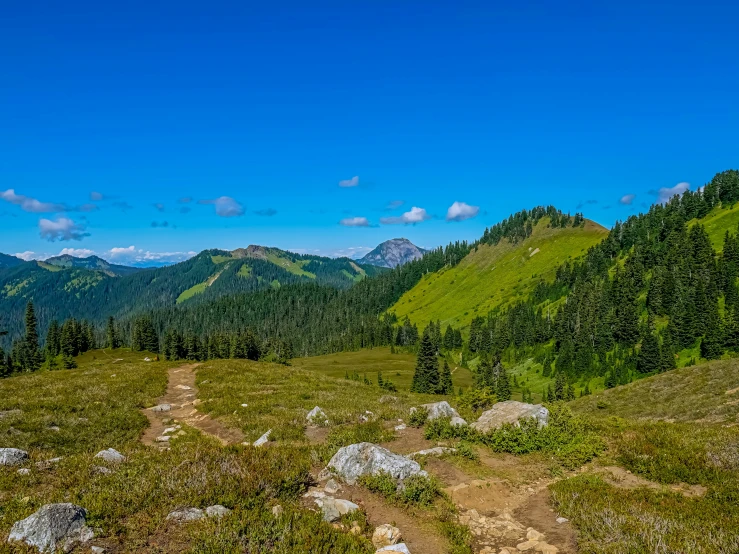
x=416, y=490
x=418, y=417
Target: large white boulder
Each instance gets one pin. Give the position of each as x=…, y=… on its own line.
x=12, y=456
x=333, y=508
x=400, y=547
x=355, y=460
x=440, y=409
x=53, y=527
x=512, y=412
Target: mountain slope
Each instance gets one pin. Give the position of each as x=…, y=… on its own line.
x=60, y=288
x=92, y=263
x=9, y=261
x=720, y=220
x=494, y=276
x=393, y=253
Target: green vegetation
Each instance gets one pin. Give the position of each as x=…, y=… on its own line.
x=718, y=222
x=495, y=276
x=192, y=291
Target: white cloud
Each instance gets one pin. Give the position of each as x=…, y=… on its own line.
x=665, y=193
x=61, y=229
x=627, y=199
x=77, y=252
x=28, y=256
x=130, y=254
x=31, y=204
x=415, y=215
x=459, y=211
x=353, y=182
x=394, y=204
x=96, y=196
x=355, y=222
x=225, y=206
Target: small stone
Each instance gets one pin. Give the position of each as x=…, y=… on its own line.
x=334, y=508
x=162, y=408
x=385, y=535
x=332, y=487
x=534, y=535
x=545, y=548
x=102, y=470
x=356, y=529
x=54, y=428
x=277, y=511
x=163, y=438
x=400, y=427
x=111, y=455
x=400, y=547
x=561, y=520
x=526, y=546
x=217, y=511
x=245, y=405
x=183, y=387
x=24, y=471
x=186, y=515
x=261, y=441
x=97, y=550
x=12, y=456
x=169, y=430
x=437, y=451
x=317, y=416
x=46, y=464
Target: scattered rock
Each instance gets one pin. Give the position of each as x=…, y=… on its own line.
x=97, y=550
x=561, y=520
x=355, y=460
x=510, y=411
x=217, y=511
x=316, y=416
x=440, y=409
x=46, y=464
x=163, y=438
x=314, y=492
x=53, y=527
x=545, y=548
x=9, y=413
x=162, y=408
x=111, y=455
x=277, y=511
x=387, y=399
x=457, y=421
x=400, y=427
x=332, y=487
x=54, y=428
x=334, y=508
x=437, y=451
x=185, y=515
x=12, y=456
x=385, y=535
x=400, y=547
x=356, y=529
x=24, y=471
x=261, y=441
x=169, y=430
x=102, y=470
x=534, y=535
x=183, y=387
x=526, y=546
x=245, y=405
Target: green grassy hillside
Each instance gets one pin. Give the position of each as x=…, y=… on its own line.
x=718, y=222
x=494, y=276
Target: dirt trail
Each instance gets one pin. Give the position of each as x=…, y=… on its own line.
x=181, y=395
x=500, y=507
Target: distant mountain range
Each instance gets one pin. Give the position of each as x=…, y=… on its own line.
x=393, y=253
x=92, y=288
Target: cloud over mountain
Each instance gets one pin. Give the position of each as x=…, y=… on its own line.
x=225, y=206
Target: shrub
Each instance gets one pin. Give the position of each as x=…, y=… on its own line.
x=416, y=490
x=465, y=450
x=476, y=400
x=418, y=417
x=371, y=431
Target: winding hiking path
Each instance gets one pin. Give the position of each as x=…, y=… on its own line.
x=182, y=395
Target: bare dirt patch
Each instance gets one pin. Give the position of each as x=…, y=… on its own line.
x=622, y=478
x=181, y=395
x=537, y=512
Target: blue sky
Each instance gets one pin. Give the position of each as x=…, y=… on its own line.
x=176, y=127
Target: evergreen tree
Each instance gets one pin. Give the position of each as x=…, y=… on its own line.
x=111, y=334
x=712, y=342
x=560, y=386
x=503, y=388
x=649, y=359
x=445, y=380
x=31, y=357
x=667, y=354
x=53, y=339
x=426, y=376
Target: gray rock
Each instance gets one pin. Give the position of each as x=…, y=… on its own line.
x=101, y=470
x=393, y=253
x=217, y=511
x=385, y=535
x=47, y=464
x=400, y=427
x=53, y=527
x=24, y=471
x=443, y=409
x=355, y=460
x=387, y=399
x=334, y=508
x=317, y=416
x=510, y=411
x=162, y=408
x=332, y=487
x=457, y=421
x=261, y=441
x=111, y=456
x=400, y=547
x=12, y=456
x=277, y=511
x=185, y=515
x=562, y=520
x=9, y=413
x=97, y=550
x=437, y=451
